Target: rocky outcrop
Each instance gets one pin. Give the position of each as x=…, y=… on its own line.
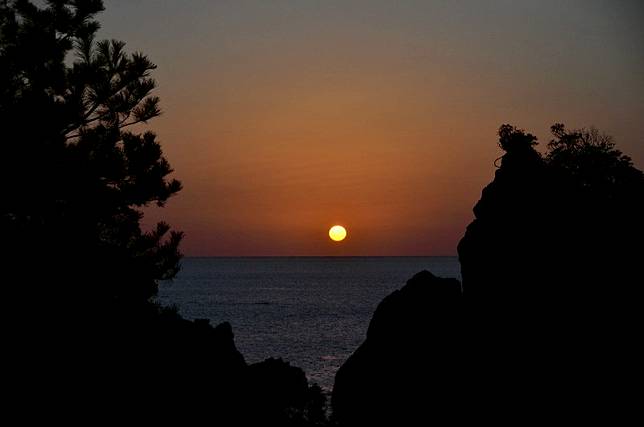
x=562, y=227
x=410, y=359
x=156, y=365
x=200, y=372
x=550, y=265
x=544, y=328
x=281, y=396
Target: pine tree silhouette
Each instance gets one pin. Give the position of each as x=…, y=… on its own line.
x=77, y=176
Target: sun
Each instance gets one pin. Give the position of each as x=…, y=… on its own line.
x=337, y=233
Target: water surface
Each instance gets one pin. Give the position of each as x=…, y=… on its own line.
x=310, y=311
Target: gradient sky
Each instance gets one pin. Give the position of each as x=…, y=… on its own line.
x=282, y=118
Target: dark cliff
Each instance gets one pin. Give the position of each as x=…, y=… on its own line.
x=558, y=226
x=545, y=325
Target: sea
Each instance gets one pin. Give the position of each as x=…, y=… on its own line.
x=312, y=312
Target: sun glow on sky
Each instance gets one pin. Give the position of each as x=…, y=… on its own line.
x=280, y=117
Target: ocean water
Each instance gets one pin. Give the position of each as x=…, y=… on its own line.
x=311, y=311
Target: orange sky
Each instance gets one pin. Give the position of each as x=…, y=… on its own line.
x=284, y=118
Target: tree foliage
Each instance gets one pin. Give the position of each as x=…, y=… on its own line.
x=77, y=173
x=590, y=158
x=512, y=139
x=585, y=159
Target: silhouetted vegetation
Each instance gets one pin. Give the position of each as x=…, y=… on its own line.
x=545, y=325
x=79, y=272
x=79, y=177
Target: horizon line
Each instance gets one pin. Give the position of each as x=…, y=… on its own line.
x=320, y=256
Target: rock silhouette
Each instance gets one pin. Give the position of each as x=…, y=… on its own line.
x=411, y=358
x=163, y=367
x=565, y=223
x=550, y=264
x=282, y=396
x=545, y=325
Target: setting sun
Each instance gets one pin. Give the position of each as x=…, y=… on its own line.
x=337, y=233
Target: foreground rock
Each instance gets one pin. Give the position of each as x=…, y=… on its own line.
x=157, y=367
x=200, y=373
x=408, y=367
